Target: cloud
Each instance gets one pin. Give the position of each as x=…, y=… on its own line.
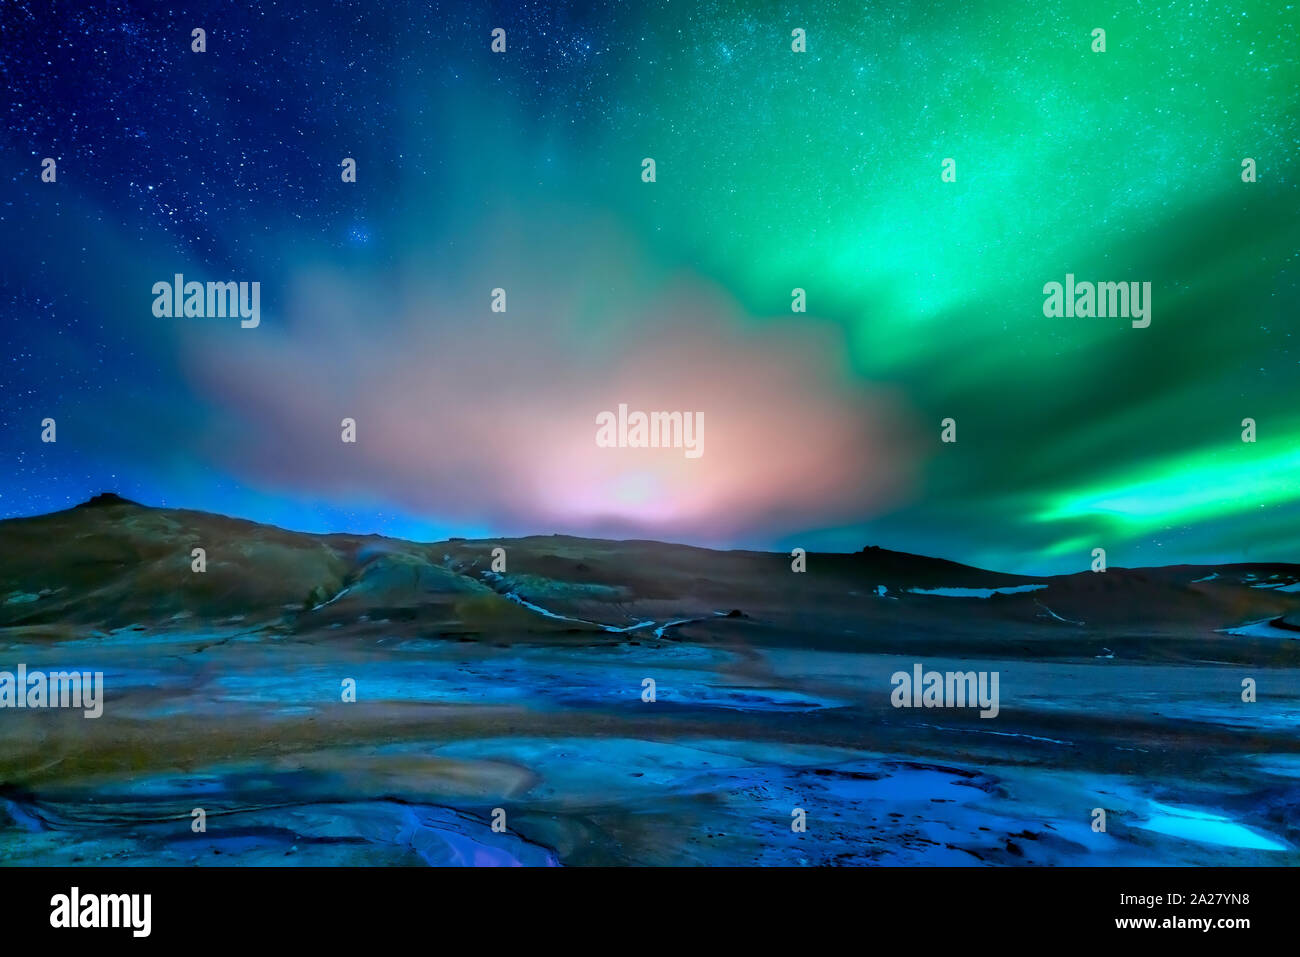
x=489, y=419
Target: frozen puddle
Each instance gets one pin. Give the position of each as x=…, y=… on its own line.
x=975, y=592
x=1264, y=628
x=1206, y=827
x=898, y=785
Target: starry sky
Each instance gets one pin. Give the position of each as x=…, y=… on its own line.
x=775, y=170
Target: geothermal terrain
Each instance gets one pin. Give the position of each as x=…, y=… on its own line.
x=523, y=691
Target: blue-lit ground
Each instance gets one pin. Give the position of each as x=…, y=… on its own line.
x=525, y=691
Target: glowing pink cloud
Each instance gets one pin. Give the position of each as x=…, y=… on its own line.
x=489, y=419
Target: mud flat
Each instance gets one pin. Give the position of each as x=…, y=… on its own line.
x=340, y=700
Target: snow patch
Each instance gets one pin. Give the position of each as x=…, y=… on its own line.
x=975, y=592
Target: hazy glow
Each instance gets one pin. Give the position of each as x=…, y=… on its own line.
x=775, y=170
x=480, y=416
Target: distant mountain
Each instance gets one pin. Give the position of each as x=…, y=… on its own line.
x=112, y=563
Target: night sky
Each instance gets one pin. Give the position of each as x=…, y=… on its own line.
x=775, y=170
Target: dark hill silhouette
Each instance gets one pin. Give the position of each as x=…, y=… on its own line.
x=111, y=563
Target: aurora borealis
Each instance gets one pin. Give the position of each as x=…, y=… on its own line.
x=775, y=170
